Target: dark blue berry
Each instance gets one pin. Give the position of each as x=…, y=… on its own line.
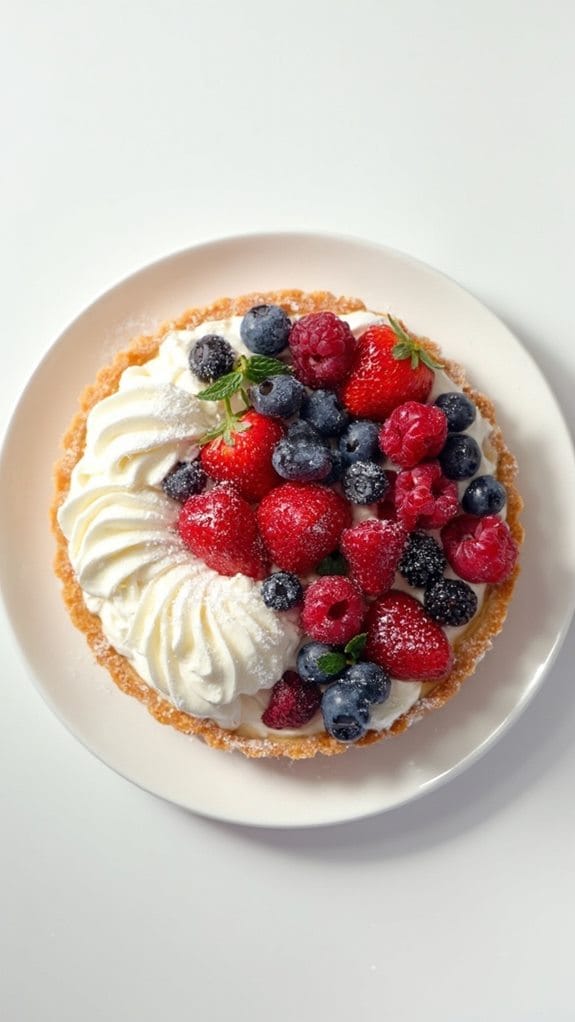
x=459, y=411
x=450, y=601
x=211, y=357
x=265, y=329
x=325, y=412
x=460, y=457
x=484, y=496
x=307, y=663
x=371, y=680
x=364, y=482
x=345, y=712
x=184, y=480
x=336, y=468
x=282, y=590
x=301, y=430
x=303, y=462
x=359, y=442
x=280, y=396
x=422, y=561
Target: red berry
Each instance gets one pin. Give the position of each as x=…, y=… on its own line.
x=386, y=507
x=424, y=498
x=413, y=432
x=247, y=461
x=373, y=550
x=293, y=702
x=406, y=642
x=380, y=380
x=480, y=549
x=322, y=347
x=220, y=528
x=333, y=610
x=301, y=524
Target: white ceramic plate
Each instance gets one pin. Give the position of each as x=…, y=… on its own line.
x=269, y=793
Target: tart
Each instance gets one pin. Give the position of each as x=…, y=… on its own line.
x=286, y=524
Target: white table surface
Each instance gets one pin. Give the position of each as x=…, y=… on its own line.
x=132, y=129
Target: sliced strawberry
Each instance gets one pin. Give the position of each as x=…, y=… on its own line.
x=246, y=461
x=373, y=550
x=389, y=367
x=301, y=524
x=480, y=549
x=220, y=528
x=406, y=642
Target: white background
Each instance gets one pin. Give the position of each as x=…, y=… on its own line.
x=131, y=129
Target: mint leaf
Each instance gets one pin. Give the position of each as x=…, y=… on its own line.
x=356, y=646
x=332, y=663
x=333, y=564
x=224, y=387
x=261, y=367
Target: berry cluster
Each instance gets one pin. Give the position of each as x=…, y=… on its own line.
x=272, y=494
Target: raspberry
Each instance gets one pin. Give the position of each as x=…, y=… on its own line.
x=333, y=610
x=293, y=702
x=322, y=348
x=413, y=432
x=424, y=498
x=480, y=549
x=403, y=640
x=301, y=523
x=373, y=549
x=220, y=528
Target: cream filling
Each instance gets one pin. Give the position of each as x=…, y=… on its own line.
x=206, y=642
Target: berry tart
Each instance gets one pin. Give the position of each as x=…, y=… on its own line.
x=286, y=524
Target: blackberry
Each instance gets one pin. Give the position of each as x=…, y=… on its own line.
x=324, y=411
x=282, y=590
x=211, y=357
x=450, y=601
x=265, y=329
x=364, y=482
x=422, y=561
x=459, y=411
x=184, y=480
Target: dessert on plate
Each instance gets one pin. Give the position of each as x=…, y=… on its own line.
x=286, y=524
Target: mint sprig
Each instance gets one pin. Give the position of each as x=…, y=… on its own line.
x=334, y=663
x=408, y=347
x=246, y=370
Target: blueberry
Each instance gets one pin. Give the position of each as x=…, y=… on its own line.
x=301, y=430
x=364, y=482
x=211, y=357
x=282, y=590
x=336, y=468
x=422, y=561
x=345, y=712
x=450, y=601
x=265, y=329
x=184, y=480
x=304, y=462
x=307, y=663
x=461, y=456
x=280, y=396
x=484, y=496
x=370, y=679
x=324, y=411
x=459, y=411
x=359, y=442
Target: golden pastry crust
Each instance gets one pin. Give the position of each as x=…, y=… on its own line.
x=470, y=647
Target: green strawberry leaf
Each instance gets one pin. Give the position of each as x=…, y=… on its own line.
x=356, y=646
x=225, y=431
x=260, y=367
x=222, y=388
x=408, y=347
x=332, y=663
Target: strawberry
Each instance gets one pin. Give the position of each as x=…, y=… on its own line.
x=220, y=528
x=389, y=367
x=301, y=524
x=373, y=550
x=244, y=457
x=403, y=640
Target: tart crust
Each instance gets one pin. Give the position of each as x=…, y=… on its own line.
x=468, y=649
